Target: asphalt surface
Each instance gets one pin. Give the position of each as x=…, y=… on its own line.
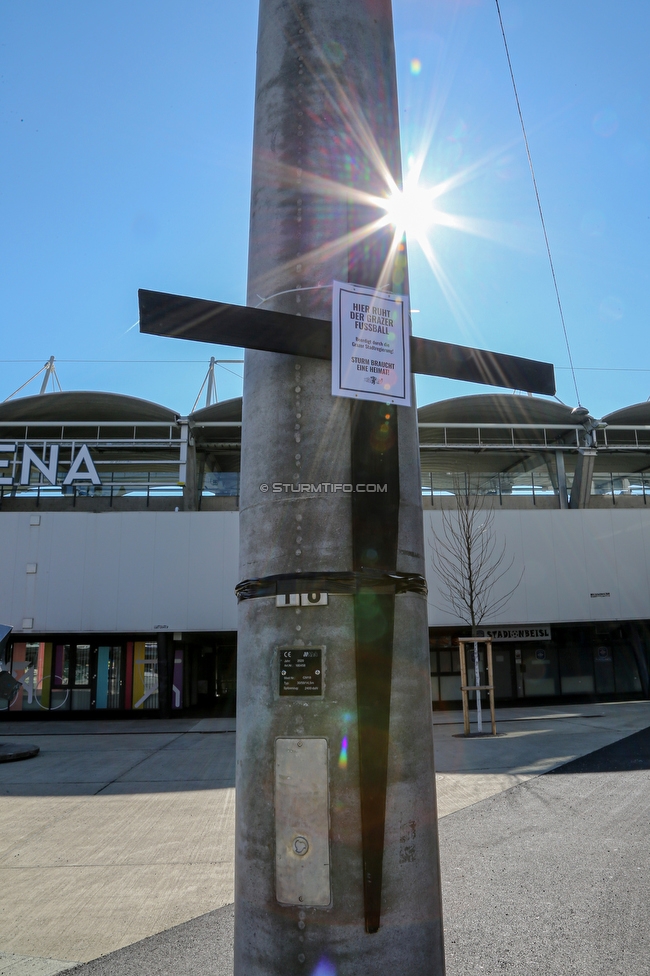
x=200, y=947
x=550, y=878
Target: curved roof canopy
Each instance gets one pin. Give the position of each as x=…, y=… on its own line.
x=84, y=406
x=497, y=408
x=638, y=414
x=219, y=412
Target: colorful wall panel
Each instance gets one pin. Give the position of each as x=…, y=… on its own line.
x=101, y=694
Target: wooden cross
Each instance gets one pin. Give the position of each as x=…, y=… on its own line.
x=295, y=335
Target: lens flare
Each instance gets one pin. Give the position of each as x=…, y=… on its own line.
x=416, y=66
x=605, y=123
x=343, y=755
x=325, y=968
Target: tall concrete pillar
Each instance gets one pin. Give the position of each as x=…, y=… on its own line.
x=331, y=879
x=582, y=478
x=187, y=469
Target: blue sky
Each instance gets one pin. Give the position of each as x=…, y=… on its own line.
x=125, y=163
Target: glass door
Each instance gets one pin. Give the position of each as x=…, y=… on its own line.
x=72, y=677
x=108, y=677
x=116, y=662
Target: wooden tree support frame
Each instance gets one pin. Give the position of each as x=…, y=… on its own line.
x=465, y=688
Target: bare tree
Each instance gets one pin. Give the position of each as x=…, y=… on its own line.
x=470, y=563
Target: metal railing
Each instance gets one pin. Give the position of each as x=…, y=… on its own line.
x=485, y=436
x=499, y=484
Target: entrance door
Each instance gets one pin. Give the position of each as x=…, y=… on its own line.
x=109, y=680
x=206, y=678
x=503, y=671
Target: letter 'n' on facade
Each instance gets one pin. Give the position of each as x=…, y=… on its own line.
x=48, y=471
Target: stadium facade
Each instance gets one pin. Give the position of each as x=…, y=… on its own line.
x=119, y=537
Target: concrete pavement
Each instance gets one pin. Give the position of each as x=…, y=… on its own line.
x=109, y=836
x=117, y=840
x=530, y=741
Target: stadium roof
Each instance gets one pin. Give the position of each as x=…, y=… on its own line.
x=497, y=408
x=638, y=414
x=86, y=406
x=219, y=412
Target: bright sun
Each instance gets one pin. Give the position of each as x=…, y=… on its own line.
x=411, y=211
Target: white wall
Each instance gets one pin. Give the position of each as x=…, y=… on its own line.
x=120, y=572
x=146, y=571
x=566, y=556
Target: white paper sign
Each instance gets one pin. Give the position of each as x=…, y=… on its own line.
x=371, y=344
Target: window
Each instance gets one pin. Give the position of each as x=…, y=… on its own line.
x=82, y=665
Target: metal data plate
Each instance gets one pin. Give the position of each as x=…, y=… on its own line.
x=302, y=862
x=301, y=670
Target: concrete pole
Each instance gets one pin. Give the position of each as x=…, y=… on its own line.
x=326, y=107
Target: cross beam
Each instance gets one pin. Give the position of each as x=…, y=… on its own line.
x=374, y=517
x=257, y=328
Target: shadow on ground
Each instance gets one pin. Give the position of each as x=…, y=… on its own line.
x=546, y=879
x=199, y=947
x=626, y=755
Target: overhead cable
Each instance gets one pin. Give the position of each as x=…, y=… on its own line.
x=539, y=205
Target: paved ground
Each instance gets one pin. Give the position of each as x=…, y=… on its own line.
x=112, y=833
x=530, y=741
x=119, y=845
x=551, y=878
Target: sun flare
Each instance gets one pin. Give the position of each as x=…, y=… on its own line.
x=415, y=213
x=411, y=211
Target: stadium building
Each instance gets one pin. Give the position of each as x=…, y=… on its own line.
x=119, y=538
